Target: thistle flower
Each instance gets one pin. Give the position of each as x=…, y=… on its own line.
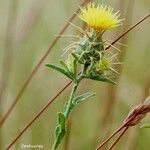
x=88, y=54
x=100, y=18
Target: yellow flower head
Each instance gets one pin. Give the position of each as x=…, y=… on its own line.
x=101, y=17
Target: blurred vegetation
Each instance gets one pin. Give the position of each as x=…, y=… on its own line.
x=26, y=30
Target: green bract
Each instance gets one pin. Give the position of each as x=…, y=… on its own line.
x=88, y=49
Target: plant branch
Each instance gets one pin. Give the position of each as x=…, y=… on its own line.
x=66, y=113
x=28, y=80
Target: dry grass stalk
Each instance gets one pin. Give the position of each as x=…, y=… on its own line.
x=138, y=113
x=134, y=141
x=133, y=118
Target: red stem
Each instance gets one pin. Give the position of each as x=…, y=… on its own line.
x=116, y=141
x=125, y=124
x=103, y=143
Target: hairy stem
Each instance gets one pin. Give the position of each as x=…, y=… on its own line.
x=67, y=112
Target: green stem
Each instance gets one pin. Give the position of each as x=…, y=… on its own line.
x=75, y=86
x=68, y=109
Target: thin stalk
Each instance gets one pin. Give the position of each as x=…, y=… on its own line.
x=67, y=112
x=28, y=80
x=124, y=125
x=68, y=109
x=45, y=107
x=116, y=141
x=103, y=143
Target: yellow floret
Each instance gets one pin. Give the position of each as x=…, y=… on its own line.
x=100, y=18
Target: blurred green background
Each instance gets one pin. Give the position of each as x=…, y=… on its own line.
x=27, y=28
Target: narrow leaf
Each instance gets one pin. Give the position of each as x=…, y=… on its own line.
x=65, y=66
x=61, y=119
x=103, y=79
x=61, y=70
x=57, y=130
x=59, y=133
x=60, y=130
x=83, y=97
x=75, y=56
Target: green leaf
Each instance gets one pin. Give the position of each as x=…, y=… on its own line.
x=61, y=120
x=68, y=108
x=75, y=56
x=82, y=97
x=147, y=125
x=61, y=70
x=70, y=65
x=65, y=66
x=65, y=106
x=60, y=130
x=102, y=78
x=57, y=130
x=59, y=133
